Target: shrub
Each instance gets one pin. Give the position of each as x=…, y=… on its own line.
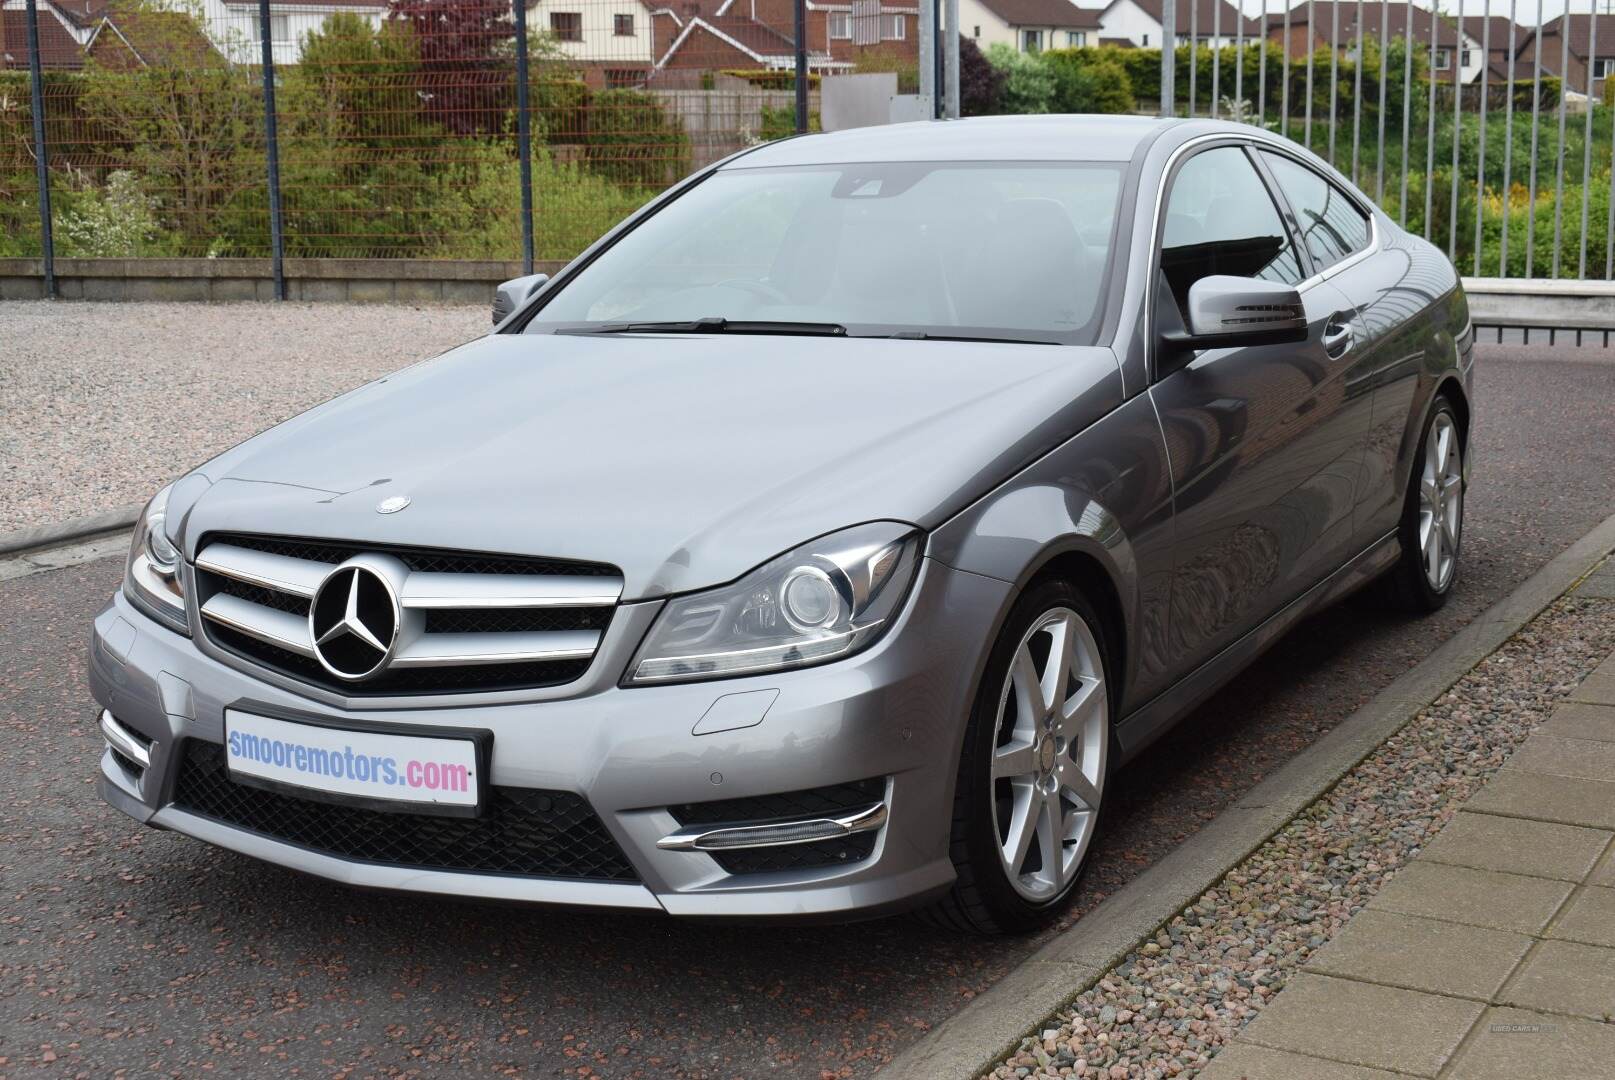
x=633, y=140
x=980, y=84
x=1029, y=84
x=119, y=221
x=560, y=109
x=1089, y=81
x=769, y=78
x=778, y=123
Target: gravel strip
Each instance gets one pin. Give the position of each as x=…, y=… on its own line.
x=101, y=404
x=1171, y=1004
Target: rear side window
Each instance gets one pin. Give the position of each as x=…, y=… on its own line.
x=1332, y=225
x=1220, y=219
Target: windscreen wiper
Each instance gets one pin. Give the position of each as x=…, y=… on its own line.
x=926, y=335
x=714, y=325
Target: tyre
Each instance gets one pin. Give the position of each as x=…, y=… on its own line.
x=1431, y=530
x=1033, y=767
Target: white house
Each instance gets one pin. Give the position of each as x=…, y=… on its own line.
x=1214, y=23
x=602, y=32
x=1029, y=25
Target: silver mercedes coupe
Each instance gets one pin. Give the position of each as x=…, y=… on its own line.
x=815, y=545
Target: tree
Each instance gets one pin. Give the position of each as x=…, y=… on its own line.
x=191, y=122
x=465, y=73
x=980, y=84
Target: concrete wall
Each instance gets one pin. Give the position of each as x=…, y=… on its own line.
x=352, y=280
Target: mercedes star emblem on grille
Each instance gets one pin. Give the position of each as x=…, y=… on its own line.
x=354, y=621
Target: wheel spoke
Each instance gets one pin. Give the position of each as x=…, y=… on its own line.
x=1079, y=708
x=1023, y=824
x=1432, y=555
x=1057, y=670
x=1429, y=491
x=1078, y=786
x=1015, y=759
x=1028, y=691
x=1051, y=837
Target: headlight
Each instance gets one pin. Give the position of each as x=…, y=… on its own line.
x=152, y=579
x=825, y=600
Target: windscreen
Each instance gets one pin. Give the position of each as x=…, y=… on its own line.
x=1016, y=251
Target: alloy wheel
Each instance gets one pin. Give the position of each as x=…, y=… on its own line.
x=1441, y=502
x=1048, y=765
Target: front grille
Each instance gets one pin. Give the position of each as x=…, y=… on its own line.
x=831, y=801
x=419, y=560
x=524, y=831
x=526, y=622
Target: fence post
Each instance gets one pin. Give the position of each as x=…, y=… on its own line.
x=277, y=239
x=524, y=135
x=36, y=82
x=1169, y=60
x=801, y=67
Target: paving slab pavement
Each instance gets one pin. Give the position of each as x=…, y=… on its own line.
x=1490, y=955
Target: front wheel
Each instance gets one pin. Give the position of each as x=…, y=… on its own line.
x=1432, y=523
x=1033, y=768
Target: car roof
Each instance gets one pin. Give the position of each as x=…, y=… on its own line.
x=983, y=138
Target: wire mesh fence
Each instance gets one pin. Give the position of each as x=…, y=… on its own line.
x=425, y=128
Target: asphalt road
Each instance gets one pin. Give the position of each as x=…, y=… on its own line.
x=128, y=950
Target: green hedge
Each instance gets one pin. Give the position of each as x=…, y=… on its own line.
x=633, y=140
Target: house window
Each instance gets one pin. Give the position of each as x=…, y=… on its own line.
x=1443, y=59
x=566, y=25
x=624, y=78
x=280, y=28
x=1076, y=39
x=1146, y=43
x=622, y=25
x=977, y=32
x=895, y=28
x=1464, y=59
x=1031, y=41
x=841, y=26
x=1603, y=67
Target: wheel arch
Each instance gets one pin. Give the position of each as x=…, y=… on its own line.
x=1041, y=532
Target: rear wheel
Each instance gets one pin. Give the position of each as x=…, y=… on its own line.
x=1432, y=518
x=1033, y=768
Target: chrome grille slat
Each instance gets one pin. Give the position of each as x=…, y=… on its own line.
x=279, y=628
x=430, y=590
x=300, y=577
x=451, y=650
x=462, y=630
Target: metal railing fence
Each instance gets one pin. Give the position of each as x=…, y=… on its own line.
x=522, y=129
x=1490, y=138
x=438, y=129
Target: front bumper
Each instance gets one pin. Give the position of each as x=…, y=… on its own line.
x=895, y=711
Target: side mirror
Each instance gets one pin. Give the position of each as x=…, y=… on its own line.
x=1232, y=312
x=510, y=295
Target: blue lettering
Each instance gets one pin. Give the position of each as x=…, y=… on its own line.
x=235, y=744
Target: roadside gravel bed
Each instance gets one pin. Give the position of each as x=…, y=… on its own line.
x=101, y=404
x=1170, y=1005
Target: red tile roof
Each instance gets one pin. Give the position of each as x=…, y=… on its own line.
x=58, y=51
x=1037, y=13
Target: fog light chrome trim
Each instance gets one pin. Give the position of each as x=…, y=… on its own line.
x=775, y=834
x=124, y=741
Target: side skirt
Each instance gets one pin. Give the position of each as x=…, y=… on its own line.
x=1154, y=718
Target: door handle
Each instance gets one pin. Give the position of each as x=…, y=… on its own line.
x=1337, y=335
